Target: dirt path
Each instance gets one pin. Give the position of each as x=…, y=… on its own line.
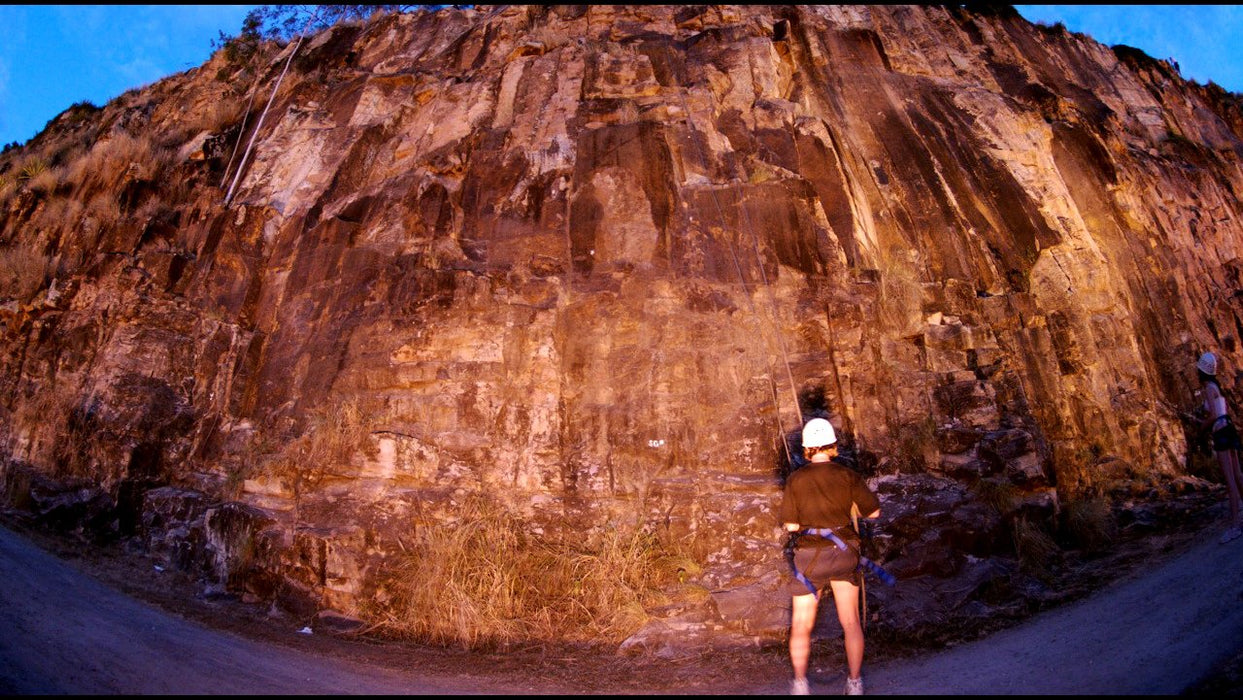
x=1156, y=633
x=66, y=632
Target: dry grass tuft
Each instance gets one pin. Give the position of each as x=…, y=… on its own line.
x=1037, y=551
x=914, y=446
x=998, y=494
x=332, y=438
x=45, y=181
x=42, y=412
x=215, y=115
x=118, y=155
x=23, y=272
x=101, y=214
x=1090, y=524
x=1202, y=463
x=488, y=580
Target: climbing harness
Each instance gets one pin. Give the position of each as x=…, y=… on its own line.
x=865, y=564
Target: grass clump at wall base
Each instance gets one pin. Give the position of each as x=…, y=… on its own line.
x=489, y=580
x=998, y=494
x=333, y=436
x=1090, y=524
x=1203, y=464
x=1037, y=551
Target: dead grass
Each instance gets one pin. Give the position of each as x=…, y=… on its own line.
x=914, y=445
x=486, y=579
x=23, y=272
x=46, y=412
x=215, y=115
x=1202, y=463
x=1037, y=550
x=1090, y=524
x=998, y=494
x=45, y=181
x=1075, y=467
x=120, y=154
x=8, y=188
x=102, y=213
x=332, y=438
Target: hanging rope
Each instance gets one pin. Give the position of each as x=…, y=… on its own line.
x=241, y=166
x=315, y=16
x=742, y=277
x=242, y=130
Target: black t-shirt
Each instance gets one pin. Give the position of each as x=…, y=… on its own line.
x=820, y=494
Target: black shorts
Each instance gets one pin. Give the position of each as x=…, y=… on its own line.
x=823, y=564
x=1226, y=438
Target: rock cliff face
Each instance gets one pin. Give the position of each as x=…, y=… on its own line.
x=584, y=259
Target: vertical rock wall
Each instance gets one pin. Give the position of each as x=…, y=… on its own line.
x=585, y=258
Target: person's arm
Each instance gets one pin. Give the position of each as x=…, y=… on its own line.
x=1206, y=422
x=864, y=498
x=789, y=515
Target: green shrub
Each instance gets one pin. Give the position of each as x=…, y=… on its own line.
x=31, y=169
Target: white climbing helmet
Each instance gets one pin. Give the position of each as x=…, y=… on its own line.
x=1207, y=364
x=818, y=433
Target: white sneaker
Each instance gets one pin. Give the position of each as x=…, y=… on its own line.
x=799, y=686
x=854, y=686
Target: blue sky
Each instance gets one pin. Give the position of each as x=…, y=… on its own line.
x=52, y=56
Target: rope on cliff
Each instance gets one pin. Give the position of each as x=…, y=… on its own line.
x=242, y=130
x=254, y=135
x=690, y=120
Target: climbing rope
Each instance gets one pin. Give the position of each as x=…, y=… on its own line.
x=865, y=564
x=690, y=120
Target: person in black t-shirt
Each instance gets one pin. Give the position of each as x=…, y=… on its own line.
x=825, y=495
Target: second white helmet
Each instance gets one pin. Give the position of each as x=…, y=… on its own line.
x=1207, y=364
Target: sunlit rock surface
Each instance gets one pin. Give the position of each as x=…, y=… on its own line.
x=584, y=259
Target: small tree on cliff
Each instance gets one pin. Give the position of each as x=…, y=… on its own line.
x=287, y=22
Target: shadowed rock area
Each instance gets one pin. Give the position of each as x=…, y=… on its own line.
x=597, y=263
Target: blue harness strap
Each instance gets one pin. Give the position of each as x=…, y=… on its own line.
x=865, y=564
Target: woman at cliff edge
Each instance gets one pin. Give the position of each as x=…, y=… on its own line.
x=1226, y=442
x=821, y=496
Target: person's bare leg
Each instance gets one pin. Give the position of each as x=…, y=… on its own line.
x=802, y=618
x=1238, y=484
x=846, y=598
x=1230, y=465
